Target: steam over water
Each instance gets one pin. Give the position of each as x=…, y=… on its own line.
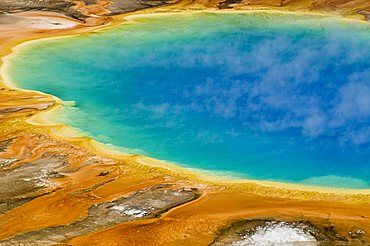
x=258, y=95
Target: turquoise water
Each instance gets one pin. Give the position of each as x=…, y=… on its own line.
x=263, y=96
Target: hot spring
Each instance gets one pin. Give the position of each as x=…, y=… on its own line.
x=259, y=95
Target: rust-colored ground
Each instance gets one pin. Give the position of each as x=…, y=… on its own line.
x=194, y=223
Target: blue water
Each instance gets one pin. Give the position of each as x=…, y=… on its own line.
x=263, y=96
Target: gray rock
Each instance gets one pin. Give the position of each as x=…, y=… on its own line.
x=271, y=232
x=29, y=180
x=143, y=204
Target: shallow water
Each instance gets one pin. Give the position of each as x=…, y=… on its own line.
x=258, y=95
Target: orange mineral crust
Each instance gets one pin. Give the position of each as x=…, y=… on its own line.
x=199, y=223
x=86, y=180
x=60, y=188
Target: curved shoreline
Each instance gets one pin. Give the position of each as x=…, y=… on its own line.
x=93, y=179
x=66, y=132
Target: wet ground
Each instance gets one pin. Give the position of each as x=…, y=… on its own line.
x=35, y=169
x=143, y=204
x=38, y=172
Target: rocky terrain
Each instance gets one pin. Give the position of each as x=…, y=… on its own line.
x=63, y=190
x=85, y=9
x=143, y=204
x=80, y=10
x=272, y=232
